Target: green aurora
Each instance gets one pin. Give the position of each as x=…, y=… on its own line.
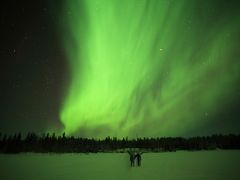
x=147, y=67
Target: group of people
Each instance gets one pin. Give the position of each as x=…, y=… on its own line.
x=133, y=156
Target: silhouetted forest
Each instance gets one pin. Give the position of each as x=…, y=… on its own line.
x=64, y=144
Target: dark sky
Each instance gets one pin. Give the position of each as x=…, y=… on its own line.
x=33, y=66
x=34, y=71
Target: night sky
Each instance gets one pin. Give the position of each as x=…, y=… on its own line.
x=120, y=68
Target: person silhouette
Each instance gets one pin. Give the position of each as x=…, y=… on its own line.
x=139, y=158
x=131, y=158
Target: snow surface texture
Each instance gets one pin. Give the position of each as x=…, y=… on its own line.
x=116, y=166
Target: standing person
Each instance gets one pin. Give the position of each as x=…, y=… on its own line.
x=139, y=158
x=131, y=158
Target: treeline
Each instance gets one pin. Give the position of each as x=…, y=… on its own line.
x=64, y=144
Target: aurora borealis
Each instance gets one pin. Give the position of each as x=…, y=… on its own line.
x=147, y=67
x=135, y=68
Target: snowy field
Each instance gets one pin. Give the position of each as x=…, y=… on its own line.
x=199, y=165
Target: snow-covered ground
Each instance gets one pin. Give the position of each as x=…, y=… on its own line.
x=212, y=165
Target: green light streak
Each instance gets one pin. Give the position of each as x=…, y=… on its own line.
x=144, y=67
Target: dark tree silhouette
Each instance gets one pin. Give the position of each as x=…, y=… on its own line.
x=70, y=144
